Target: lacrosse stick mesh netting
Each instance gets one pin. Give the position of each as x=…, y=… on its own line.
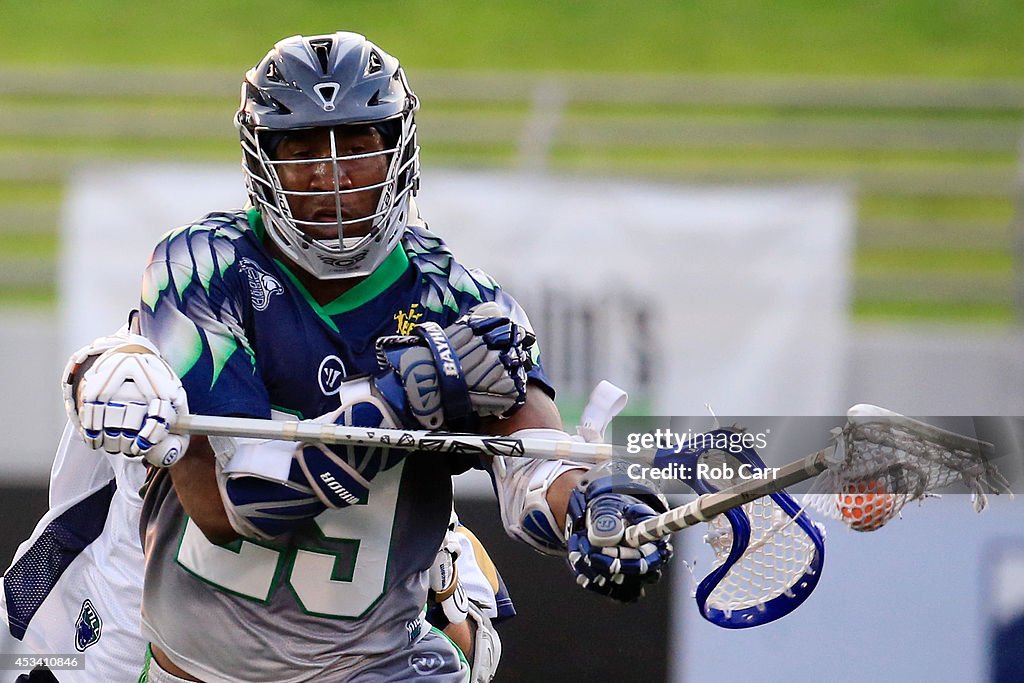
x=894, y=460
x=768, y=557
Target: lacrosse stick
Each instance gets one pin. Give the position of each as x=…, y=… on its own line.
x=405, y=439
x=768, y=554
x=906, y=458
x=892, y=460
x=875, y=442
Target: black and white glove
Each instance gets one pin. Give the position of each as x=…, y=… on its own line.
x=600, y=509
x=474, y=368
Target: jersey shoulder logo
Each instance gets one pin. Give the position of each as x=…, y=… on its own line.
x=414, y=628
x=262, y=285
x=88, y=627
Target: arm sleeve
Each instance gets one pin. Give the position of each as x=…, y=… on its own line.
x=194, y=304
x=522, y=486
x=517, y=315
x=264, y=491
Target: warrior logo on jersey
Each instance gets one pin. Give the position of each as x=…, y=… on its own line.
x=88, y=627
x=407, y=321
x=262, y=285
x=426, y=662
x=330, y=374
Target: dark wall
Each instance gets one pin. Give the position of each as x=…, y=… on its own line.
x=20, y=509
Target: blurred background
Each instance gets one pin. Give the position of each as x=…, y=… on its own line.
x=774, y=208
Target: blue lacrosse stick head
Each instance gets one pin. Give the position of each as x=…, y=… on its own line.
x=800, y=585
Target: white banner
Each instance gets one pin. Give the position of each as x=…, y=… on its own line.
x=730, y=296
x=744, y=291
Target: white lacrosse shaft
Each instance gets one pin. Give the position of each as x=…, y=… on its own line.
x=406, y=439
x=696, y=512
x=712, y=504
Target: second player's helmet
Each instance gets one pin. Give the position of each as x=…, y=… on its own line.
x=324, y=81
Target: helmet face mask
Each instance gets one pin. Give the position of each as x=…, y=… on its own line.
x=337, y=208
x=337, y=192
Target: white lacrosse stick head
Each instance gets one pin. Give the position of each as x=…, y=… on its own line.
x=885, y=460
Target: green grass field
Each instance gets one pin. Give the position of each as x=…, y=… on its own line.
x=920, y=38
x=975, y=38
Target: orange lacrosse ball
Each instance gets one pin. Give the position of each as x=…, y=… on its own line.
x=866, y=505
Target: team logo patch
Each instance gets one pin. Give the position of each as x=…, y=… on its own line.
x=415, y=629
x=407, y=320
x=88, y=627
x=262, y=285
x=330, y=374
x=424, y=663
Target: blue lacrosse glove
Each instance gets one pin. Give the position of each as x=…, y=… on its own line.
x=271, y=487
x=341, y=474
x=474, y=368
x=605, y=503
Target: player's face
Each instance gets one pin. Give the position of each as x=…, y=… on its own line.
x=318, y=172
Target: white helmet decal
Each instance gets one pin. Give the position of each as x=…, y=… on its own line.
x=327, y=92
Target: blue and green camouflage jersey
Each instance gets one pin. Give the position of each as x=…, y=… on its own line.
x=247, y=339
x=245, y=336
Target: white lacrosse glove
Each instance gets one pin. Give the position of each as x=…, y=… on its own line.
x=126, y=400
x=445, y=587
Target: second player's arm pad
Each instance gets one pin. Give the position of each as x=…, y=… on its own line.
x=522, y=485
x=264, y=491
x=486, y=646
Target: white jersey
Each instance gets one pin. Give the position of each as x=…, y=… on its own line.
x=76, y=583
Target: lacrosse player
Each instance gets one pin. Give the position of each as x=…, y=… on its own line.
x=76, y=583
x=328, y=299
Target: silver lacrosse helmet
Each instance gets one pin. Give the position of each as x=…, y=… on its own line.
x=325, y=81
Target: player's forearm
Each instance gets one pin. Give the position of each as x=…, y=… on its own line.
x=558, y=495
x=462, y=635
x=195, y=482
x=532, y=489
x=539, y=412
